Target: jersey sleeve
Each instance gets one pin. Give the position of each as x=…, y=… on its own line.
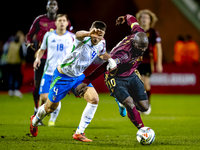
x=77, y=42
x=132, y=22
x=33, y=30
x=103, y=48
x=45, y=41
x=70, y=46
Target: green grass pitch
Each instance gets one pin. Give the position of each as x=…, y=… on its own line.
x=174, y=118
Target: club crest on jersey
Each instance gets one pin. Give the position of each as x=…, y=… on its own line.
x=147, y=34
x=45, y=24
x=117, y=61
x=54, y=98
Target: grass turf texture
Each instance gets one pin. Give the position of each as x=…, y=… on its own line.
x=174, y=118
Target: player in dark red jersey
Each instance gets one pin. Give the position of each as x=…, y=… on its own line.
x=124, y=83
x=40, y=26
x=147, y=20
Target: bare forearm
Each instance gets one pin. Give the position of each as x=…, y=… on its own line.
x=80, y=35
x=40, y=53
x=159, y=53
x=105, y=56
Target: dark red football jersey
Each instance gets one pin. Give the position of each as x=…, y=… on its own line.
x=154, y=37
x=40, y=26
x=124, y=54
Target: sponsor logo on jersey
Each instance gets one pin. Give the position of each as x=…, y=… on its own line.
x=53, y=40
x=91, y=46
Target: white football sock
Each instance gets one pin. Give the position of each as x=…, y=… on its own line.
x=35, y=109
x=86, y=118
x=39, y=116
x=55, y=114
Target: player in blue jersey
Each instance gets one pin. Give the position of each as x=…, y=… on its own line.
x=58, y=43
x=69, y=74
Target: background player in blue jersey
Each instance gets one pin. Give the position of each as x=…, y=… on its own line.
x=42, y=24
x=58, y=43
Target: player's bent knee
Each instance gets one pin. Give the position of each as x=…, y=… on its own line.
x=94, y=100
x=91, y=96
x=44, y=97
x=128, y=103
x=144, y=105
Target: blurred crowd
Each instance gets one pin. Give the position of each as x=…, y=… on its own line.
x=186, y=51
x=13, y=59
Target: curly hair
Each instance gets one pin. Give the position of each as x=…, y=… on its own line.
x=153, y=17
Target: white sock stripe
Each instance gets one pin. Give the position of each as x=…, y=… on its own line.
x=93, y=105
x=37, y=117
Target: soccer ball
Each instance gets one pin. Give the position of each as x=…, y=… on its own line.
x=145, y=136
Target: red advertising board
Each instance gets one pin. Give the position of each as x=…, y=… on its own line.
x=174, y=79
x=177, y=79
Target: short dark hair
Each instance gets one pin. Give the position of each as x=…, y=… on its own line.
x=99, y=25
x=51, y=0
x=61, y=15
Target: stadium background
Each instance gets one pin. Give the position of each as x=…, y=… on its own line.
x=174, y=117
x=172, y=21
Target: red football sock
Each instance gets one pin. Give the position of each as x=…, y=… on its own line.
x=135, y=118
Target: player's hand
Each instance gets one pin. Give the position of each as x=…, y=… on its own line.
x=159, y=68
x=112, y=65
x=30, y=46
x=120, y=20
x=81, y=89
x=36, y=63
x=96, y=32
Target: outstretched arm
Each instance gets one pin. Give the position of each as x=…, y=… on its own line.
x=80, y=35
x=32, y=31
x=81, y=88
x=159, y=67
x=112, y=65
x=37, y=61
x=96, y=73
x=131, y=21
